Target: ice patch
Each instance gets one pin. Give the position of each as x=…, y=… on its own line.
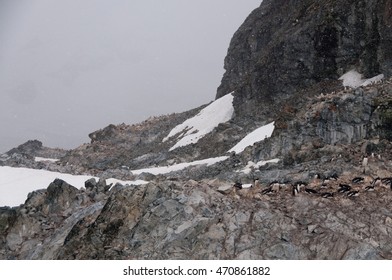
x=193, y=129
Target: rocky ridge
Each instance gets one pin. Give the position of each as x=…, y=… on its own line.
x=198, y=213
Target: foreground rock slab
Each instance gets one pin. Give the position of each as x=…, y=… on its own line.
x=195, y=220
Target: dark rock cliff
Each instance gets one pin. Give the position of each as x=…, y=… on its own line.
x=288, y=45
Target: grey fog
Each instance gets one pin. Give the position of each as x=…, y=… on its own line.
x=69, y=67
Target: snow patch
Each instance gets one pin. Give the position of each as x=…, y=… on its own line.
x=354, y=79
x=41, y=159
x=193, y=129
x=16, y=183
x=180, y=166
x=351, y=79
x=257, y=135
x=251, y=165
x=122, y=182
x=373, y=80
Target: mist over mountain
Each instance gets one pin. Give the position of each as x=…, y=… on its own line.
x=292, y=160
x=70, y=67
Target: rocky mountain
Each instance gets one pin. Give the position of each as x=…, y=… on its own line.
x=221, y=183
x=285, y=46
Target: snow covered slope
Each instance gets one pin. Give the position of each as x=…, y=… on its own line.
x=219, y=111
x=257, y=135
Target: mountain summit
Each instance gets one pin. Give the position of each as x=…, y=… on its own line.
x=288, y=45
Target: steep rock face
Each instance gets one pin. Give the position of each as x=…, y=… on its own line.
x=287, y=45
x=338, y=121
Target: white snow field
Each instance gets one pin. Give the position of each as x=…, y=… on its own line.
x=193, y=129
x=257, y=135
x=16, y=183
x=354, y=79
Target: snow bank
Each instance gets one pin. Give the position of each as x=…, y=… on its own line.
x=354, y=79
x=219, y=111
x=257, y=135
x=180, y=166
x=16, y=183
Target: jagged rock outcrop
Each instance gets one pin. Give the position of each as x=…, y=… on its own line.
x=25, y=154
x=285, y=46
x=29, y=148
x=38, y=228
x=170, y=220
x=196, y=220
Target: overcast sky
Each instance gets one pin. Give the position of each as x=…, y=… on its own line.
x=69, y=67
